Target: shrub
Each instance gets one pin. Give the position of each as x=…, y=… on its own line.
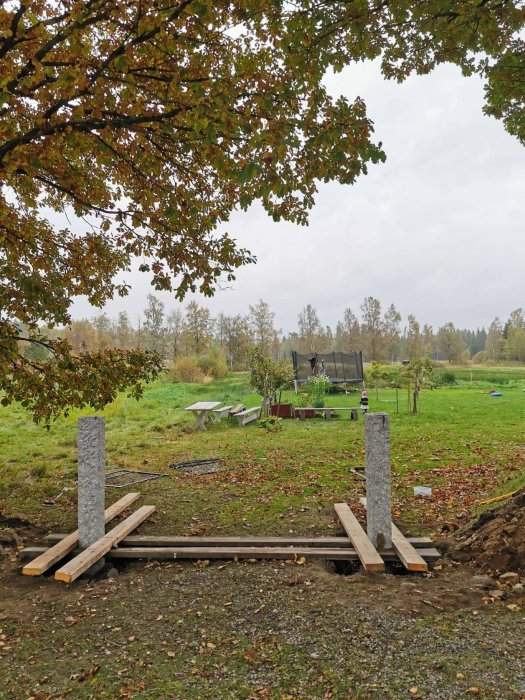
x=186, y=369
x=448, y=378
x=482, y=357
x=316, y=388
x=272, y=424
x=213, y=363
x=302, y=400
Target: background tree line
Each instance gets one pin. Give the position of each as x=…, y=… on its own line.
x=222, y=343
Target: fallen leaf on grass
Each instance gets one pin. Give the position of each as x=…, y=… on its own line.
x=84, y=675
x=249, y=657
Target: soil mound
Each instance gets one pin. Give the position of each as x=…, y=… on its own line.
x=495, y=542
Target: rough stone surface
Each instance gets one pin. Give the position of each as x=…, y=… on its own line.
x=483, y=581
x=91, y=479
x=510, y=577
x=498, y=595
x=378, y=486
x=9, y=537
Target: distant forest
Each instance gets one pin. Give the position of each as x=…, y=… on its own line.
x=381, y=334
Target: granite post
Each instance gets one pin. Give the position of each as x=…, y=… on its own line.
x=91, y=481
x=377, y=472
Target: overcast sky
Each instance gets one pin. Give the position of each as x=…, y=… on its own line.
x=438, y=229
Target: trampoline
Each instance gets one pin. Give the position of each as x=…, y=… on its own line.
x=339, y=367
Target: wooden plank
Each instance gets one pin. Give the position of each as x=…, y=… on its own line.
x=69, y=542
x=366, y=551
x=241, y=541
x=249, y=415
x=405, y=548
x=219, y=413
x=236, y=409
x=406, y=552
x=339, y=553
x=73, y=569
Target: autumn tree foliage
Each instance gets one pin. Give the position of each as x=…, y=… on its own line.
x=142, y=124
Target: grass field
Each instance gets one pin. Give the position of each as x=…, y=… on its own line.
x=272, y=630
x=464, y=444
x=485, y=374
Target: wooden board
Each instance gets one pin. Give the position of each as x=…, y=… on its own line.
x=68, y=543
x=337, y=554
x=249, y=415
x=219, y=413
x=73, y=569
x=405, y=548
x=252, y=553
x=367, y=553
x=241, y=541
x=406, y=552
x=236, y=409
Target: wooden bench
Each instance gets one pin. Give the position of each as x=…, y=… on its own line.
x=221, y=412
x=245, y=417
x=328, y=410
x=236, y=409
x=354, y=411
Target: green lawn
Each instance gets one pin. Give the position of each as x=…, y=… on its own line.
x=464, y=444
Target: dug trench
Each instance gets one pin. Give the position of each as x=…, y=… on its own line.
x=450, y=585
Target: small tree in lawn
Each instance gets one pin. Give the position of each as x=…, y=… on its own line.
x=378, y=376
x=417, y=372
x=267, y=375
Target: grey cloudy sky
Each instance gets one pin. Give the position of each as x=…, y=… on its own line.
x=438, y=229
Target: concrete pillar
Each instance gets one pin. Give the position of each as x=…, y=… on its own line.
x=377, y=472
x=91, y=479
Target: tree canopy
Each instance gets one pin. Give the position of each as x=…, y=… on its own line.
x=143, y=124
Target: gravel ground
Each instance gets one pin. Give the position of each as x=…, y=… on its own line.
x=259, y=630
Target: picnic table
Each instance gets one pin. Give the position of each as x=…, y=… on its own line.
x=202, y=411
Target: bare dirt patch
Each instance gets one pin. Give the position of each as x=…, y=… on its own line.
x=268, y=630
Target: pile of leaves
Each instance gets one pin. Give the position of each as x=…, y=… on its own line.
x=495, y=542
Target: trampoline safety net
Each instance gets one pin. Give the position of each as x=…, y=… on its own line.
x=339, y=367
